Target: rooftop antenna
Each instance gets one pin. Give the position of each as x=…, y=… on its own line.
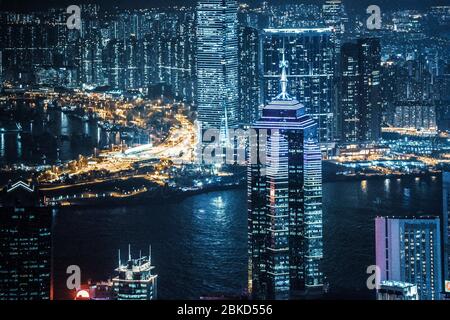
x=283, y=80
x=129, y=252
x=119, y=259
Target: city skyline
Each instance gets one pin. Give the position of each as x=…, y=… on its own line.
x=266, y=150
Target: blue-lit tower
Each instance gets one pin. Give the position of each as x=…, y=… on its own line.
x=217, y=64
x=284, y=201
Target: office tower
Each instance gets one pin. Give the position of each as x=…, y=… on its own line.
x=446, y=231
x=397, y=290
x=25, y=244
x=360, y=97
x=309, y=52
x=217, y=64
x=284, y=201
x=248, y=75
x=135, y=280
x=349, y=109
x=415, y=114
x=409, y=250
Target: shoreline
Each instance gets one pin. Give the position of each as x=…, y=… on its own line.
x=163, y=194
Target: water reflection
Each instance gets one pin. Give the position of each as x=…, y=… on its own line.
x=364, y=186
x=387, y=185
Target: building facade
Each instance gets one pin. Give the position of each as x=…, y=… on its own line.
x=409, y=250
x=284, y=201
x=446, y=231
x=249, y=93
x=310, y=53
x=25, y=244
x=217, y=64
x=415, y=114
x=360, y=94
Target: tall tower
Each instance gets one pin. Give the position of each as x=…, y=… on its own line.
x=360, y=93
x=409, y=250
x=284, y=200
x=25, y=250
x=446, y=230
x=217, y=64
x=249, y=88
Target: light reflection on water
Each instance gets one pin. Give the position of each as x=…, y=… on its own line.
x=200, y=243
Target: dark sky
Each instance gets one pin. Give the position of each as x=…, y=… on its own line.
x=26, y=5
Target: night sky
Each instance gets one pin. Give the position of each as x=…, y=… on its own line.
x=27, y=5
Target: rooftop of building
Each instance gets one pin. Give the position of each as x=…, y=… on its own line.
x=396, y=284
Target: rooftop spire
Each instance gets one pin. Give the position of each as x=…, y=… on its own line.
x=283, y=80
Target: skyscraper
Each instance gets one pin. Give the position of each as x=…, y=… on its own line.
x=217, y=64
x=248, y=75
x=360, y=97
x=25, y=244
x=409, y=250
x=135, y=280
x=284, y=201
x=446, y=230
x=309, y=52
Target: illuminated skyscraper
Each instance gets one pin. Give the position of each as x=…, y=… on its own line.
x=409, y=250
x=310, y=55
x=446, y=230
x=217, y=64
x=359, y=89
x=284, y=201
x=25, y=244
x=135, y=280
x=248, y=75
